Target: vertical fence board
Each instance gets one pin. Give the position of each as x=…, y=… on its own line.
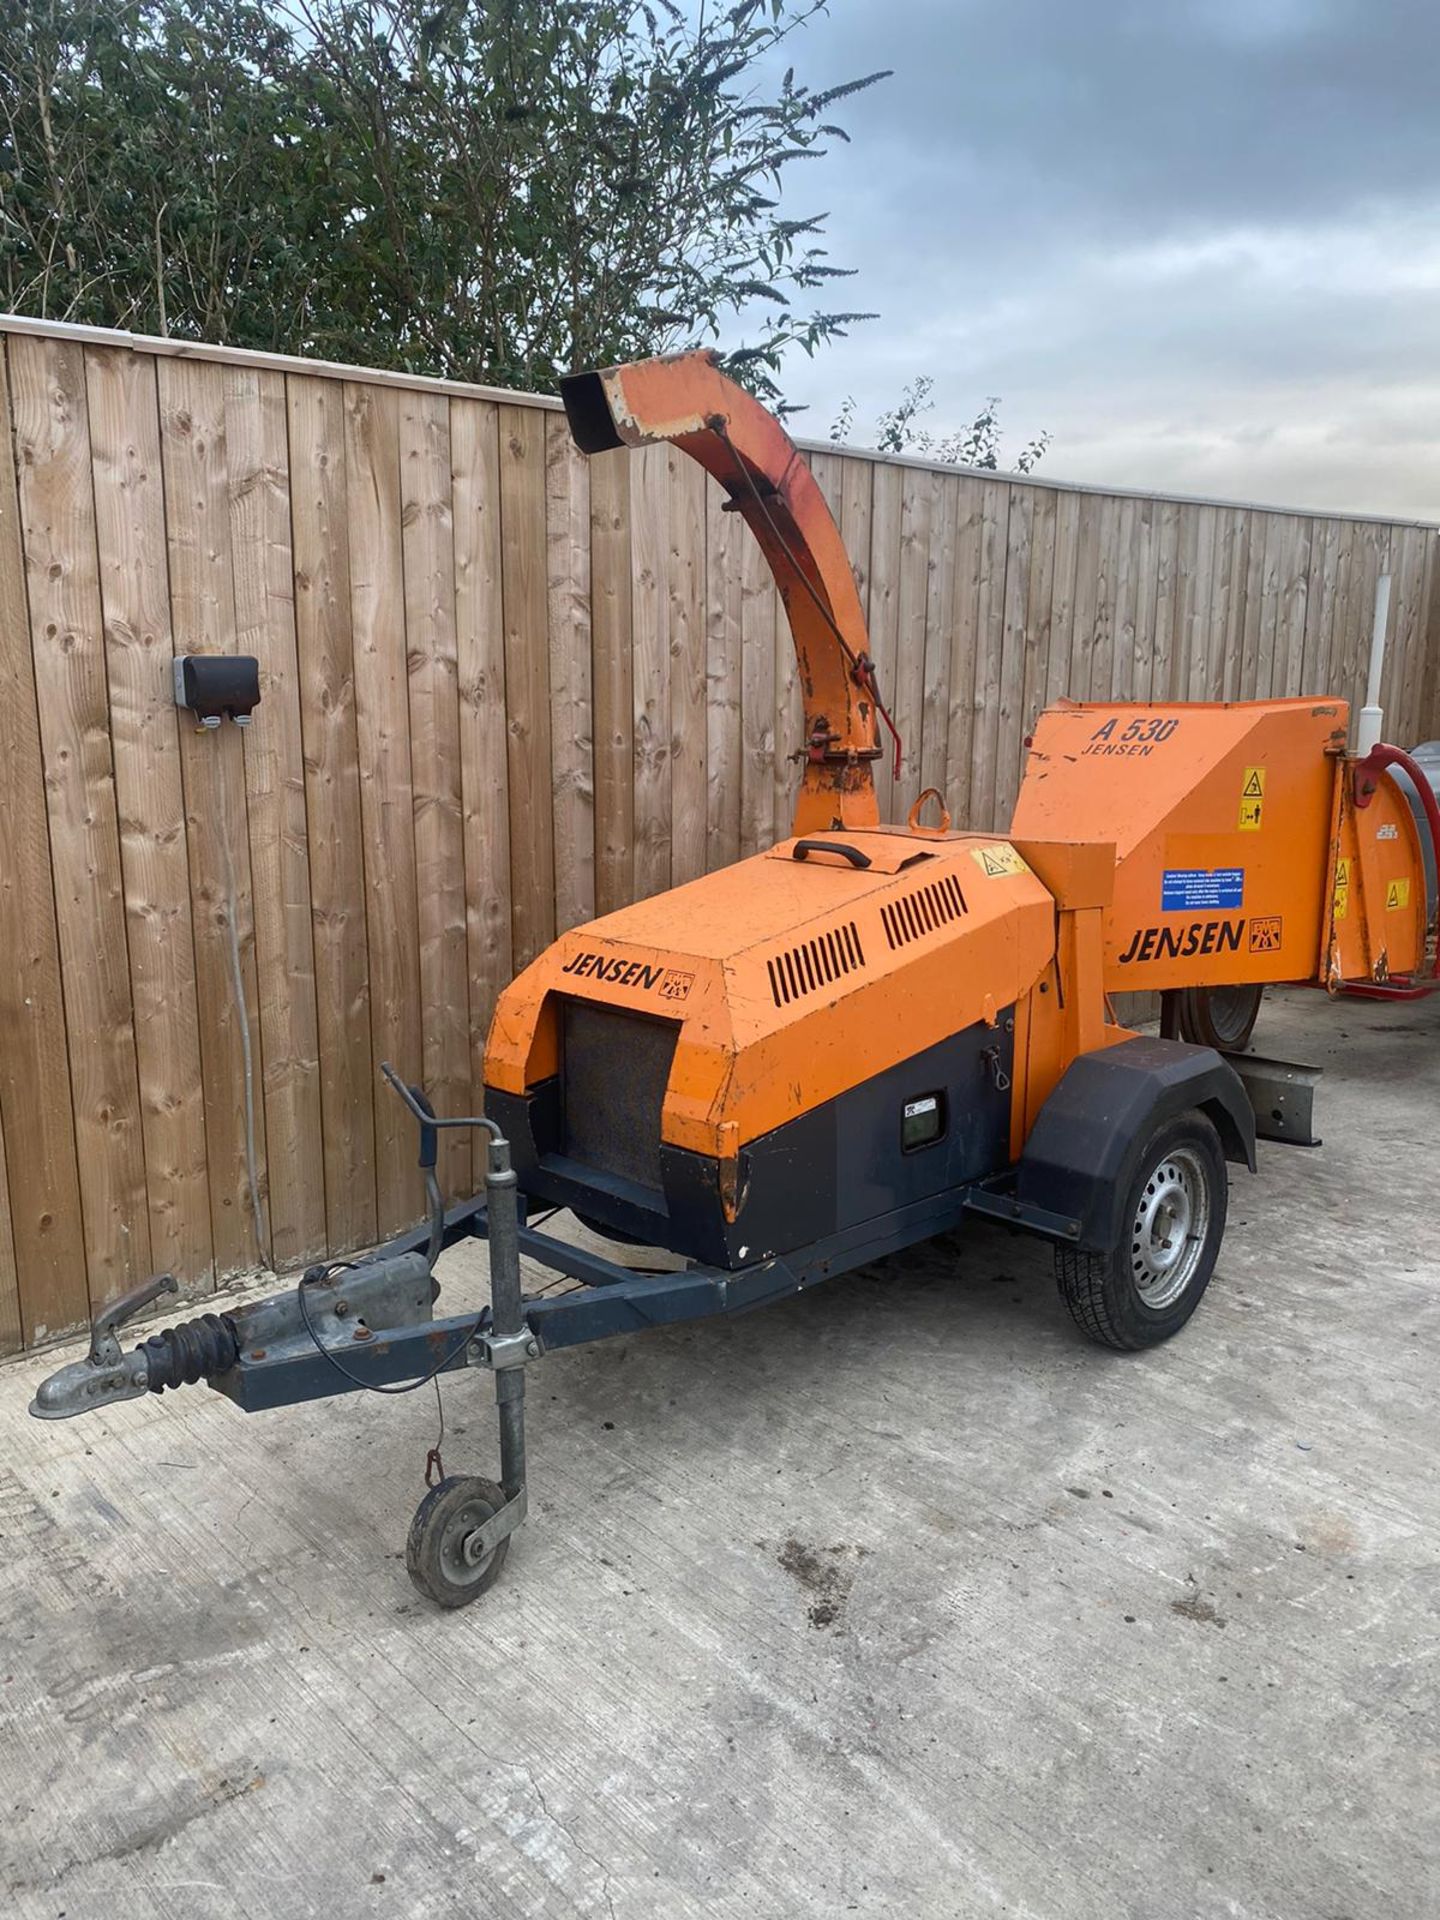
x=384, y=728
x=917, y=502
x=135, y=598
x=484, y=769
x=202, y=606
x=610, y=617
x=934, y=741
x=1135, y=643
x=258, y=450
x=1086, y=597
x=1062, y=595
x=759, y=611
x=567, y=589
x=35, y=1100
x=1404, y=690
x=12, y=1330
x=428, y=546
x=1039, y=608
x=884, y=614
x=57, y=505
x=650, y=615
x=1014, y=616
x=319, y=511
x=688, y=682
x=527, y=679
x=724, y=646
x=1102, y=640
x=964, y=649
x=989, y=644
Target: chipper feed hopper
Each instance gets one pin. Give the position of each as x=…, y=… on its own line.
x=862, y=1036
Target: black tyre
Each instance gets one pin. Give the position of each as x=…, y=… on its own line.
x=435, y=1554
x=1146, y=1288
x=1219, y=1017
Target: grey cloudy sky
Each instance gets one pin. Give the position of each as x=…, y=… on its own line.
x=1197, y=240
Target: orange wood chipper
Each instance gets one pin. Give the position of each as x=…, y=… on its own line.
x=857, y=1038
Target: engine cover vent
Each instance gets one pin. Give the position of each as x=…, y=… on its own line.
x=924, y=911
x=813, y=964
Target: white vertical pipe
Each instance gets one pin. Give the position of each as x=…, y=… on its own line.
x=1372, y=719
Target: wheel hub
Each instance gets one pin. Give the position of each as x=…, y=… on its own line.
x=463, y=1553
x=1168, y=1232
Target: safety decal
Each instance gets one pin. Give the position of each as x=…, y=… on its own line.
x=1252, y=800
x=1201, y=889
x=1267, y=933
x=993, y=861
x=676, y=985
x=1397, y=894
x=1388, y=832
x=1341, y=905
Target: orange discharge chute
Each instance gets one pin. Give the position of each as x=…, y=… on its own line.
x=688, y=402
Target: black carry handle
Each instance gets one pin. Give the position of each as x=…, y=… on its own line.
x=429, y=1132
x=804, y=848
x=418, y=1101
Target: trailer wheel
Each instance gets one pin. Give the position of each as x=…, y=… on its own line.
x=1147, y=1286
x=445, y=1519
x=1219, y=1017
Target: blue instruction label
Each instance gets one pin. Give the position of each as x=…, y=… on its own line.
x=1194, y=889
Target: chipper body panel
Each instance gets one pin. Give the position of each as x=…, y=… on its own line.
x=859, y=1038
x=1241, y=856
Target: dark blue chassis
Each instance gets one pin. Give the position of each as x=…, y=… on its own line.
x=612, y=1299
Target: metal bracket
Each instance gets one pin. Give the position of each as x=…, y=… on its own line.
x=1282, y=1093
x=500, y=1350
x=498, y=1527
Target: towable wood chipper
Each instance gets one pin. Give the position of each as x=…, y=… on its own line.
x=859, y=1038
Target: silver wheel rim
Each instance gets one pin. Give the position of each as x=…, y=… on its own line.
x=1167, y=1236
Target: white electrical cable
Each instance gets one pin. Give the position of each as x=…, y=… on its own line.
x=242, y=1014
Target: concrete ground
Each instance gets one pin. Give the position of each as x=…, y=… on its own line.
x=896, y=1599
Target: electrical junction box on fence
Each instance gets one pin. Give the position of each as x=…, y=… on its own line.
x=218, y=686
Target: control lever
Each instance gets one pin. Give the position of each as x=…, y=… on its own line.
x=418, y=1101
x=104, y=1347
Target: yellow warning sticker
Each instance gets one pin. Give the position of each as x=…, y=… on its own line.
x=997, y=860
x=1252, y=800
x=1397, y=894
x=1341, y=905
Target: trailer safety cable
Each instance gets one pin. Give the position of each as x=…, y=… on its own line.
x=862, y=667
x=371, y=1386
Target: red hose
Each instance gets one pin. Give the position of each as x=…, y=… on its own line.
x=1367, y=774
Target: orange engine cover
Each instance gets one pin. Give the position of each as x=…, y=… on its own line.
x=792, y=980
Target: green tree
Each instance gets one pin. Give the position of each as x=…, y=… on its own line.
x=498, y=191
x=976, y=445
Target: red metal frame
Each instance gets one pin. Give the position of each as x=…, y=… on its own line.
x=1365, y=775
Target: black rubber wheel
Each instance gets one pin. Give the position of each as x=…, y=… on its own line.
x=1219, y=1017
x=1144, y=1289
x=435, y=1549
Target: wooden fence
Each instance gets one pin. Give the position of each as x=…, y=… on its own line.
x=504, y=689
